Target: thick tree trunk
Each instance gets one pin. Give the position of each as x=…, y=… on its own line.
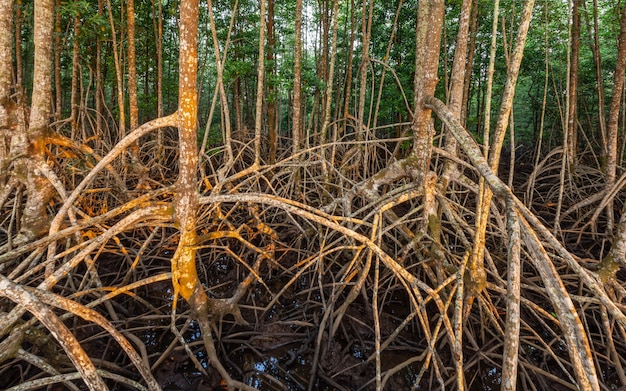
x=184, y=273
x=30, y=144
x=430, y=15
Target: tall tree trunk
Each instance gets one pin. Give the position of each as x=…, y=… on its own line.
x=19, y=61
x=597, y=61
x=6, y=48
x=132, y=76
x=222, y=91
x=118, y=74
x=470, y=62
x=476, y=272
x=6, y=67
x=58, y=89
x=38, y=188
x=328, y=92
x=184, y=272
x=612, y=127
x=455, y=96
x=430, y=15
x=297, y=80
x=159, y=58
x=74, y=93
x=99, y=87
x=572, y=120
x=258, y=119
x=272, y=129
x=349, y=66
x=366, y=31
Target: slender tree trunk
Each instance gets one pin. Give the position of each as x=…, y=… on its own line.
x=349, y=66
x=19, y=60
x=222, y=91
x=6, y=67
x=612, y=128
x=476, y=272
x=258, y=119
x=366, y=32
x=99, y=88
x=118, y=74
x=58, y=102
x=597, y=61
x=470, y=62
x=455, y=96
x=132, y=76
x=159, y=58
x=74, y=96
x=272, y=128
x=572, y=120
x=6, y=57
x=297, y=80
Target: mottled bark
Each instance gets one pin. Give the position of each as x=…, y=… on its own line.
x=6, y=65
x=57, y=329
x=19, y=61
x=132, y=74
x=475, y=266
x=272, y=126
x=614, y=113
x=572, y=119
x=98, y=69
x=6, y=59
x=297, y=80
x=457, y=80
x=366, y=32
x=74, y=97
x=258, y=118
x=222, y=91
x=58, y=101
x=38, y=188
x=118, y=74
x=510, y=354
x=428, y=39
x=184, y=273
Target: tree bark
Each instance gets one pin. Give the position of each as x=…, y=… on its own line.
x=184, y=273
x=612, y=126
x=38, y=187
x=476, y=263
x=430, y=15
x=6, y=58
x=272, y=128
x=572, y=123
x=297, y=80
x=132, y=75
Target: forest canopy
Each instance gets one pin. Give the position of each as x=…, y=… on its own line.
x=300, y=195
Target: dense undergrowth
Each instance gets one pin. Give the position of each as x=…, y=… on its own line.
x=317, y=283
